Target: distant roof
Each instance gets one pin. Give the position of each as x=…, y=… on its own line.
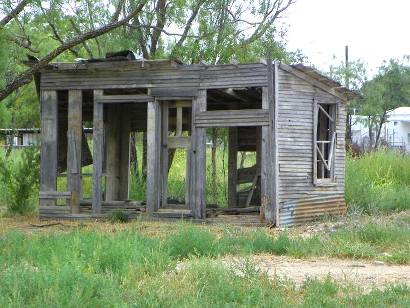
x=400, y=111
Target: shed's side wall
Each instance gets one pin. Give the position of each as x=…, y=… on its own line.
x=300, y=199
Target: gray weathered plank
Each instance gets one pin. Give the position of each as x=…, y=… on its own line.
x=49, y=144
x=74, y=136
x=98, y=152
x=232, y=166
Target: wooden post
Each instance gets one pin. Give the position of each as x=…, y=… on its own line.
x=124, y=172
x=98, y=152
x=198, y=177
x=269, y=156
x=153, y=156
x=164, y=160
x=74, y=136
x=112, y=150
x=49, y=144
x=233, y=167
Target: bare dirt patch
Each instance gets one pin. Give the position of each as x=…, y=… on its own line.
x=367, y=275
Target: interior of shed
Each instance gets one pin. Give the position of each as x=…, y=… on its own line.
x=242, y=182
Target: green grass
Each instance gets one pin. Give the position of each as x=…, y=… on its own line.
x=378, y=182
x=90, y=268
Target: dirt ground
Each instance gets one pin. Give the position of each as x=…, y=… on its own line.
x=367, y=275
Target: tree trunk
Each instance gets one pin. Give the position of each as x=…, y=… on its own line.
x=370, y=133
x=379, y=129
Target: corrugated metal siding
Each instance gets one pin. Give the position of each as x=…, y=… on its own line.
x=300, y=200
x=295, y=212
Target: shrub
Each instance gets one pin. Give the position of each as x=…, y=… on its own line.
x=19, y=176
x=119, y=216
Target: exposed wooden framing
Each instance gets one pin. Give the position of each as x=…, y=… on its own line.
x=286, y=133
x=187, y=175
x=178, y=131
x=98, y=152
x=74, y=136
x=276, y=182
x=325, y=113
x=315, y=119
x=55, y=195
x=153, y=155
x=269, y=167
x=182, y=102
x=117, y=99
x=125, y=129
x=112, y=152
x=174, y=92
x=232, y=118
x=232, y=167
x=179, y=142
x=49, y=144
x=198, y=162
x=165, y=154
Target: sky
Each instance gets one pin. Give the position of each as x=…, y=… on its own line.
x=374, y=30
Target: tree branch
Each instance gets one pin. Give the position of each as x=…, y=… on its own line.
x=59, y=38
x=118, y=10
x=160, y=11
x=189, y=24
x=77, y=30
x=14, y=13
x=268, y=19
x=23, y=42
x=26, y=76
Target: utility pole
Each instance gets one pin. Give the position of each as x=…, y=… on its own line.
x=349, y=114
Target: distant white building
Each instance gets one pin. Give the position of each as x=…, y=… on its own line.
x=398, y=128
x=19, y=137
x=395, y=132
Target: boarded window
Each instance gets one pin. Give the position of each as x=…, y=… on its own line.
x=324, y=143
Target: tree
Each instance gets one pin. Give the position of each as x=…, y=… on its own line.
x=353, y=76
x=210, y=29
x=388, y=90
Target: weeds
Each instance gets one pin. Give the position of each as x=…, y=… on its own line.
x=119, y=216
x=19, y=175
x=378, y=182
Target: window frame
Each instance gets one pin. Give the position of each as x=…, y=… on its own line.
x=330, y=181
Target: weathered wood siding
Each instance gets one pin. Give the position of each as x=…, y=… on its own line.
x=300, y=199
x=184, y=77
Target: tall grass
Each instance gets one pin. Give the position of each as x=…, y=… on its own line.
x=378, y=181
x=19, y=180
x=100, y=269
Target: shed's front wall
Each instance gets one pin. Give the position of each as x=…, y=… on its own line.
x=300, y=199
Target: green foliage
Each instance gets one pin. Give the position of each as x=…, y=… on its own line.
x=90, y=268
x=19, y=176
x=119, y=216
x=377, y=181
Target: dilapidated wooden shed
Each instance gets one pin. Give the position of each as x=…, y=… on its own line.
x=290, y=115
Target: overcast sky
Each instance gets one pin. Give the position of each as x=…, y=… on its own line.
x=375, y=30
